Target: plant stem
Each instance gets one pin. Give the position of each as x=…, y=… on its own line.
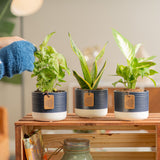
x=132, y=85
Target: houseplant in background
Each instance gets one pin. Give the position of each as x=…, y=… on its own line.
x=7, y=26
x=48, y=103
x=90, y=101
x=131, y=103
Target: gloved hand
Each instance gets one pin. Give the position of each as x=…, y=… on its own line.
x=16, y=58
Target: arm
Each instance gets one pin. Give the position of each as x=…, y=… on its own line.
x=5, y=41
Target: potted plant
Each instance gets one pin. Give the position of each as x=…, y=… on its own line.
x=48, y=103
x=131, y=103
x=90, y=101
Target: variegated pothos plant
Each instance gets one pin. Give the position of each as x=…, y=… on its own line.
x=136, y=67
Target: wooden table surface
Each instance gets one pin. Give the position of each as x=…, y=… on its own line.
x=72, y=119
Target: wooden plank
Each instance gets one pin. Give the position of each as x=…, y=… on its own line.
x=20, y=154
x=73, y=120
x=105, y=140
x=158, y=143
x=106, y=127
x=124, y=156
x=116, y=156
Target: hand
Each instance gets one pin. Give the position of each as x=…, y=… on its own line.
x=17, y=57
x=5, y=41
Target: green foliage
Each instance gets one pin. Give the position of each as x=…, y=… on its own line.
x=91, y=79
x=137, y=67
x=6, y=29
x=6, y=24
x=49, y=67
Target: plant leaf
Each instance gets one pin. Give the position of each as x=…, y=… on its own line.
x=82, y=82
x=119, y=81
x=145, y=64
x=94, y=68
x=62, y=62
x=101, y=53
x=154, y=82
x=137, y=46
x=125, y=46
x=94, y=71
x=47, y=38
x=146, y=59
x=96, y=82
x=152, y=72
x=82, y=60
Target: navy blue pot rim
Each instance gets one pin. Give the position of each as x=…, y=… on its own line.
x=60, y=102
x=141, y=101
x=98, y=89
x=100, y=98
x=125, y=91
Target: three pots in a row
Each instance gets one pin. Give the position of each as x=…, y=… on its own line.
x=90, y=103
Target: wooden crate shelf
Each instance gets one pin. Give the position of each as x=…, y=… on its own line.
x=143, y=133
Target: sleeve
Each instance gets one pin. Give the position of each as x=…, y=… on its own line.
x=1, y=69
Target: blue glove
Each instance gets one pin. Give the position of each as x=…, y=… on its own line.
x=16, y=58
x=1, y=69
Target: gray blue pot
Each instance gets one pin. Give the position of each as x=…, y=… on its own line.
x=49, y=111
x=136, y=108
x=94, y=106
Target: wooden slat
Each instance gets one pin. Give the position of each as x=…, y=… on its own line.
x=124, y=156
x=116, y=156
x=73, y=120
x=105, y=140
x=20, y=154
x=158, y=143
x=106, y=127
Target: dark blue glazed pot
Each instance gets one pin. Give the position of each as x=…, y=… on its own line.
x=58, y=111
x=96, y=106
x=136, y=110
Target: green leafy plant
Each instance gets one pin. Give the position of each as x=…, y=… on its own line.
x=49, y=67
x=6, y=18
x=91, y=79
x=136, y=67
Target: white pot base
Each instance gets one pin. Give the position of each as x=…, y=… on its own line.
x=132, y=115
x=49, y=116
x=90, y=113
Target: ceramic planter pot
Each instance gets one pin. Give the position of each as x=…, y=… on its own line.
x=91, y=103
x=131, y=105
x=51, y=107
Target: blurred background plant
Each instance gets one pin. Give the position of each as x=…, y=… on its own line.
x=6, y=29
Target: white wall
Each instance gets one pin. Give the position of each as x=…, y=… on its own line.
x=90, y=23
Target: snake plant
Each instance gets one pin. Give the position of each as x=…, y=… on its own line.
x=90, y=79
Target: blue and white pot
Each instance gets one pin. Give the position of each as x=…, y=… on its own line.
x=55, y=111
x=97, y=105
x=138, y=110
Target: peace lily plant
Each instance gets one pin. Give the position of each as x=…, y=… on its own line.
x=89, y=100
x=132, y=104
x=48, y=103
